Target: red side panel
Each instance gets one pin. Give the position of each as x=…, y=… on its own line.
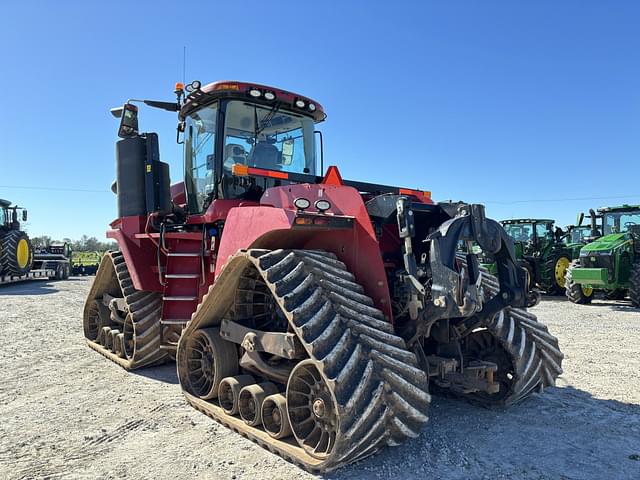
x=268, y=227
x=139, y=253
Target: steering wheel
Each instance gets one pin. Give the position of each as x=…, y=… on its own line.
x=629, y=224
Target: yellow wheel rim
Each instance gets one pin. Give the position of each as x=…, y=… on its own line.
x=587, y=291
x=23, y=253
x=561, y=269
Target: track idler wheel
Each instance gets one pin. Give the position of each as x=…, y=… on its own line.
x=274, y=416
x=251, y=399
x=312, y=410
x=209, y=359
x=92, y=322
x=229, y=392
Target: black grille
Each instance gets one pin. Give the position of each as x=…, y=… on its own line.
x=601, y=261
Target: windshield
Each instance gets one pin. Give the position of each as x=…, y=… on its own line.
x=200, y=135
x=521, y=232
x=266, y=137
x=578, y=234
x=619, y=222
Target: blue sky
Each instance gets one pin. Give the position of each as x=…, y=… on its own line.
x=516, y=104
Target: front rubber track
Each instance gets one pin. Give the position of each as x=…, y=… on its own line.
x=144, y=307
x=381, y=393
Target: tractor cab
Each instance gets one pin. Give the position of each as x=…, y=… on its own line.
x=578, y=234
x=620, y=219
x=240, y=139
x=532, y=234
x=9, y=216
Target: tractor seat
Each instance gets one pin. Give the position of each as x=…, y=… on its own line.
x=234, y=153
x=265, y=155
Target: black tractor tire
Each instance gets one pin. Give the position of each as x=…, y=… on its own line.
x=12, y=253
x=634, y=289
x=574, y=291
x=560, y=263
x=59, y=272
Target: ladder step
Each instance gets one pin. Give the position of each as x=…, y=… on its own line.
x=174, y=321
x=180, y=299
x=169, y=346
x=197, y=254
x=182, y=275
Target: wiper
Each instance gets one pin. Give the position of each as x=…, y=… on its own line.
x=265, y=121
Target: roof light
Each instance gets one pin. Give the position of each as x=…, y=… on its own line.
x=255, y=93
x=301, y=203
x=312, y=107
x=196, y=84
x=179, y=86
x=300, y=103
x=269, y=95
x=323, y=205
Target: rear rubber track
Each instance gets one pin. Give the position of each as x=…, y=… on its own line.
x=381, y=393
x=142, y=322
x=534, y=353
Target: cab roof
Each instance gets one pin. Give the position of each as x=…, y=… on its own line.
x=622, y=208
x=241, y=90
x=528, y=220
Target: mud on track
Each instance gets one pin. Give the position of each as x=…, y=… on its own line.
x=66, y=412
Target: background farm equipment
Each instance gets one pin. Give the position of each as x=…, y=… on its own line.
x=308, y=312
x=85, y=263
x=610, y=263
x=16, y=253
x=544, y=250
x=55, y=257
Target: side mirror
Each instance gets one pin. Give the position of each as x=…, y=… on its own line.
x=580, y=218
x=24, y=215
x=128, y=120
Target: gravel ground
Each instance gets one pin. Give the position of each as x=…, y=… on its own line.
x=66, y=412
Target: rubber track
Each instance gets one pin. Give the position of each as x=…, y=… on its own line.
x=573, y=290
x=534, y=352
x=634, y=288
x=145, y=308
x=381, y=392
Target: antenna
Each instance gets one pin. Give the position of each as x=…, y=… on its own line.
x=184, y=65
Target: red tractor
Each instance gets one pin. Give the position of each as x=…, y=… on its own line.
x=310, y=313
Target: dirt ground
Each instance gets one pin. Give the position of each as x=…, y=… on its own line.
x=66, y=412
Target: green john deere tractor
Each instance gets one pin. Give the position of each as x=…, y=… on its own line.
x=610, y=263
x=543, y=250
x=16, y=253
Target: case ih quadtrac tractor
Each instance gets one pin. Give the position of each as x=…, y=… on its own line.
x=307, y=312
x=610, y=263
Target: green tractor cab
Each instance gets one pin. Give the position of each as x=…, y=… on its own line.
x=610, y=263
x=16, y=253
x=544, y=250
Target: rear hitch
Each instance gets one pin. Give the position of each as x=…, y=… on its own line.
x=457, y=292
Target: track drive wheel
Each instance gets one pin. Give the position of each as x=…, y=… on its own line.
x=575, y=292
x=16, y=253
x=634, y=289
x=312, y=410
